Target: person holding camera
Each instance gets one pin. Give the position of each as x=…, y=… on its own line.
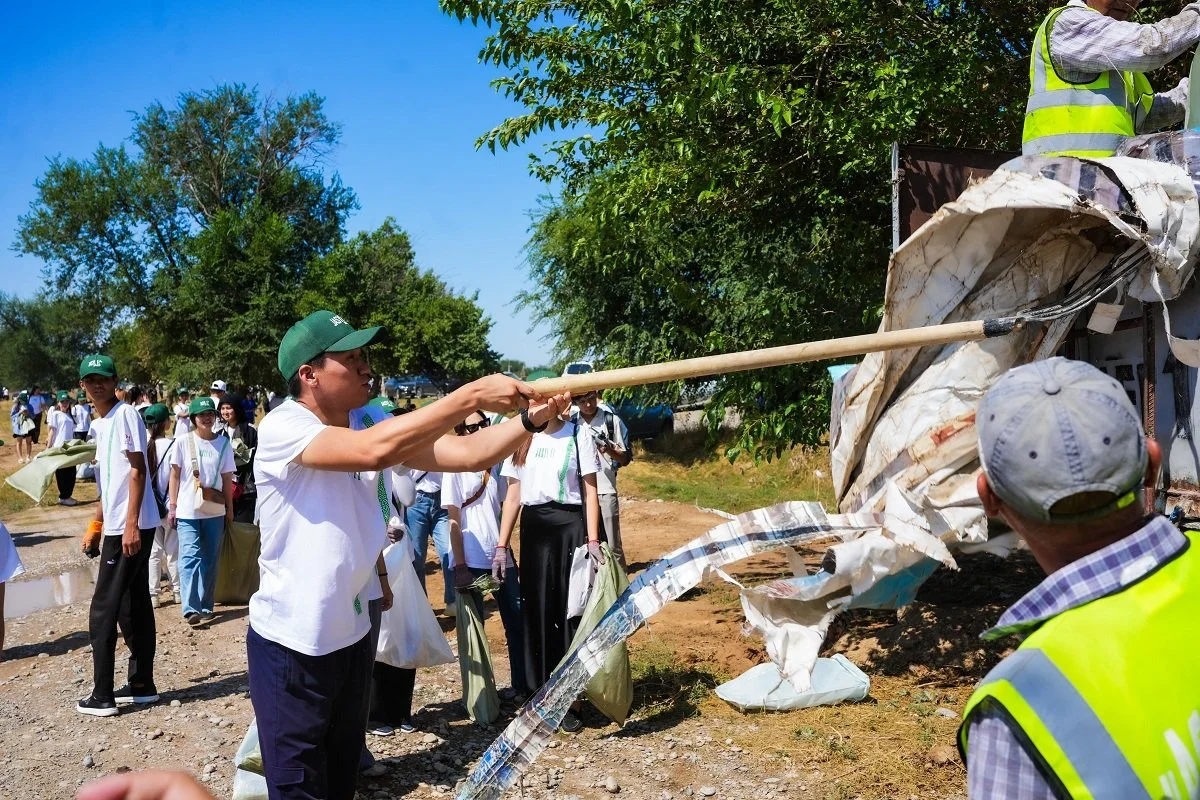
x=200, y=507
x=612, y=446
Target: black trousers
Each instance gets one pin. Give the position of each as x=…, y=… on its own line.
x=392, y=693
x=311, y=717
x=550, y=533
x=36, y=435
x=122, y=598
x=65, y=478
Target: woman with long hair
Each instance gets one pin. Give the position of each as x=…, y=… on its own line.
x=552, y=487
x=232, y=411
x=200, y=507
x=21, y=415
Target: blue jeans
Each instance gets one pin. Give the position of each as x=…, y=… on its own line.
x=426, y=516
x=199, y=551
x=508, y=603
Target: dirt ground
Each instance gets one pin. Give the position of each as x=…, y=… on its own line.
x=681, y=742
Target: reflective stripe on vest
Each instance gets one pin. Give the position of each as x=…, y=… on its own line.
x=1086, y=120
x=1076, y=730
x=1104, y=696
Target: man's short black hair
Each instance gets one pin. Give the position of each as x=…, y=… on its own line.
x=294, y=383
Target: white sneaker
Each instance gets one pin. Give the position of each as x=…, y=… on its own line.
x=68, y=501
x=155, y=601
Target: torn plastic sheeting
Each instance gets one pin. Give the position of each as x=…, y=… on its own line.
x=680, y=570
x=762, y=688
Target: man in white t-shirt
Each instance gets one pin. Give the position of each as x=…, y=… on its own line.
x=183, y=414
x=217, y=391
x=323, y=506
x=62, y=430
x=611, y=438
x=127, y=516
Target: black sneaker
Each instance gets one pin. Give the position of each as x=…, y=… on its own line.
x=208, y=616
x=96, y=708
x=570, y=723
x=144, y=694
x=193, y=619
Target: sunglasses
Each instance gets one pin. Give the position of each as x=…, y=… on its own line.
x=462, y=429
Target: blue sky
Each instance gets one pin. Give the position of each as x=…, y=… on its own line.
x=402, y=78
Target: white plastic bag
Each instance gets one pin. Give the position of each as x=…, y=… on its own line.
x=762, y=688
x=409, y=636
x=582, y=576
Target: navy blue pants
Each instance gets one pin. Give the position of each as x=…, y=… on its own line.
x=311, y=717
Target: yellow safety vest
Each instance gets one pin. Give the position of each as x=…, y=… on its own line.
x=1106, y=696
x=1085, y=120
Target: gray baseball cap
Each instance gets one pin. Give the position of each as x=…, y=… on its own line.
x=1058, y=428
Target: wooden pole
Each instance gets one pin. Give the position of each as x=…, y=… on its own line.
x=771, y=357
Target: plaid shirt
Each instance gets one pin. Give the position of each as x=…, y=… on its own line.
x=1084, y=43
x=997, y=765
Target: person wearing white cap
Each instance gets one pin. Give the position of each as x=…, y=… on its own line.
x=217, y=391
x=1101, y=699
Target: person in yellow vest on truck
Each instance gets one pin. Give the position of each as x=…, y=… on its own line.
x=1101, y=700
x=1087, y=85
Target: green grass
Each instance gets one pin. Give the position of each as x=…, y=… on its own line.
x=681, y=470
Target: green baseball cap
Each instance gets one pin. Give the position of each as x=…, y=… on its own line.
x=320, y=332
x=384, y=403
x=62, y=395
x=155, y=414
x=97, y=364
x=182, y=390
x=201, y=405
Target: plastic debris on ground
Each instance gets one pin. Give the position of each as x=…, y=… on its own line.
x=762, y=688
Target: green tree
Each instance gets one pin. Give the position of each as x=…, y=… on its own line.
x=722, y=181
x=199, y=233
x=514, y=365
x=373, y=280
x=42, y=341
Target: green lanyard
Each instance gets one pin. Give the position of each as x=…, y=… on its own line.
x=381, y=492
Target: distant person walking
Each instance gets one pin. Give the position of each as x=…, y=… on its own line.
x=21, y=417
x=62, y=430
x=165, y=550
x=81, y=412
x=37, y=406
x=127, y=516
x=183, y=413
x=200, y=507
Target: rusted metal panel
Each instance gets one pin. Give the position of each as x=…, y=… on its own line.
x=924, y=178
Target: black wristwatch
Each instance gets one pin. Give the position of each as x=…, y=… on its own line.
x=528, y=423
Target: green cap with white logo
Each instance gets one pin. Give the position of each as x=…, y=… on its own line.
x=383, y=403
x=155, y=414
x=202, y=405
x=62, y=396
x=97, y=364
x=320, y=332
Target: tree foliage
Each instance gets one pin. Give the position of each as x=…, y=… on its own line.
x=197, y=242
x=722, y=179
x=42, y=340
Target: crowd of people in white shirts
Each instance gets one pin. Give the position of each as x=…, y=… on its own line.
x=333, y=478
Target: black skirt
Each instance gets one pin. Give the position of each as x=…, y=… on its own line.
x=550, y=534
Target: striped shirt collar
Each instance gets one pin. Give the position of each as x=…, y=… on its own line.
x=1102, y=573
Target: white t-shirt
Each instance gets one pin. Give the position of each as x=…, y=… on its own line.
x=428, y=482
x=480, y=521
x=551, y=471
x=321, y=531
x=214, y=458
x=164, y=451
x=81, y=413
x=183, y=423
x=62, y=427
x=119, y=432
